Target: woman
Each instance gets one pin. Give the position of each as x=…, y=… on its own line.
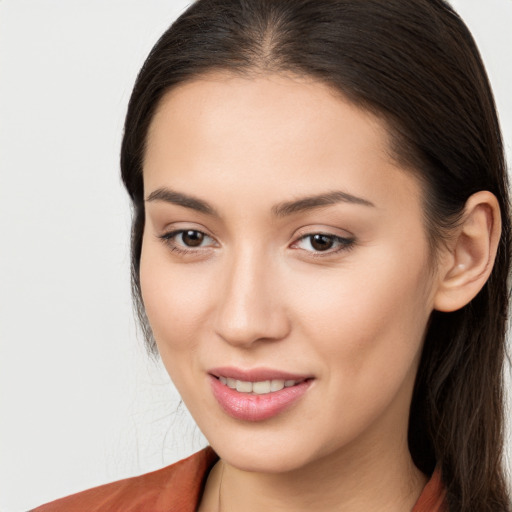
x=320, y=255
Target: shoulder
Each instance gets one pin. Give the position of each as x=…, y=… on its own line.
x=433, y=497
x=174, y=488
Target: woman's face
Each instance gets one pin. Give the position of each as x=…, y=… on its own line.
x=284, y=246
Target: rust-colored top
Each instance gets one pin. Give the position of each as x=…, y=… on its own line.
x=178, y=488
x=432, y=499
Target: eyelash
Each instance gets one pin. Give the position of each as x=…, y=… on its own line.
x=168, y=240
x=345, y=244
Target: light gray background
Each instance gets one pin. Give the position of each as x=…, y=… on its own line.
x=80, y=402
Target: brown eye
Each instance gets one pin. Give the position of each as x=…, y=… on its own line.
x=318, y=243
x=187, y=241
x=192, y=238
x=321, y=242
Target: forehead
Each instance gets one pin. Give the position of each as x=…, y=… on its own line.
x=266, y=135
x=282, y=109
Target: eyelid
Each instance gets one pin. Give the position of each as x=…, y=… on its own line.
x=315, y=229
x=345, y=242
x=169, y=239
x=176, y=232
x=180, y=226
x=342, y=243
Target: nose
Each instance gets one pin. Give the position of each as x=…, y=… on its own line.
x=250, y=308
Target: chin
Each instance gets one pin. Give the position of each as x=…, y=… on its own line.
x=261, y=460
x=267, y=451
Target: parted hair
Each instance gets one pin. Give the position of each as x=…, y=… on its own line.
x=414, y=64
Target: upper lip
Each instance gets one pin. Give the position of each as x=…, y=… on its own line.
x=256, y=374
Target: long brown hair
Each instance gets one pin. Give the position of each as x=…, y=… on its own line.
x=415, y=64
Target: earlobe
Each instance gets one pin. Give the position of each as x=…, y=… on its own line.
x=470, y=256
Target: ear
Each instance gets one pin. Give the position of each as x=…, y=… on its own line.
x=470, y=254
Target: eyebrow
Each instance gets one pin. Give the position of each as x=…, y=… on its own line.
x=279, y=210
x=317, y=201
x=171, y=196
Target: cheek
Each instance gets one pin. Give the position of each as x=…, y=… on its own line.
x=368, y=321
x=367, y=326
x=173, y=300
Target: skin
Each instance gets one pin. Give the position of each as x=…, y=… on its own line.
x=256, y=293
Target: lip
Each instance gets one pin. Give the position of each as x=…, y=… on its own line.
x=256, y=374
x=252, y=407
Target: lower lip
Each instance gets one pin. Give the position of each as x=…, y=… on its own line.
x=249, y=407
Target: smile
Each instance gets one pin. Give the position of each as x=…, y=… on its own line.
x=256, y=395
x=257, y=388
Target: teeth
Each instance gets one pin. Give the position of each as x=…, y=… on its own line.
x=243, y=387
x=261, y=388
x=277, y=385
x=257, y=388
